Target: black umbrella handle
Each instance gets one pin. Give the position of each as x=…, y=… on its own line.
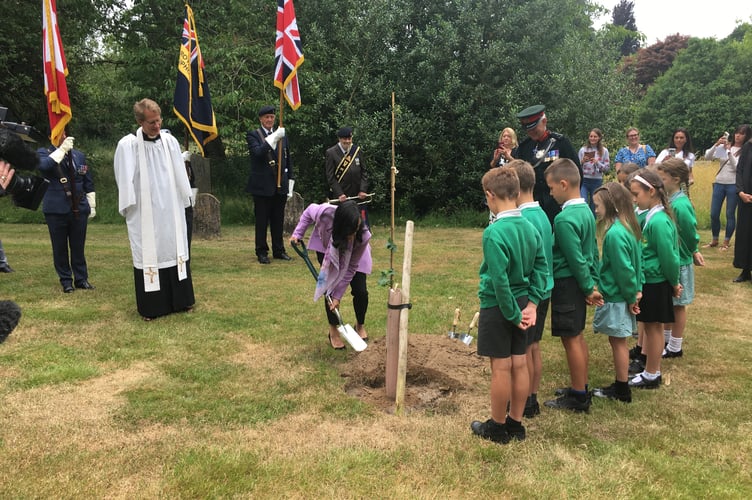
x=300, y=249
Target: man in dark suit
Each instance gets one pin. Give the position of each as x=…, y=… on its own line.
x=68, y=203
x=345, y=168
x=269, y=197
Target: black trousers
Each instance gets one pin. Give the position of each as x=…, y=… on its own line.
x=67, y=231
x=359, y=292
x=270, y=213
x=173, y=295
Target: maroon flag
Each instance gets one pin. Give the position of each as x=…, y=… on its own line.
x=288, y=53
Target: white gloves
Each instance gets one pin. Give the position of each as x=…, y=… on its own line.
x=290, y=185
x=60, y=152
x=186, y=156
x=194, y=196
x=273, y=138
x=92, y=199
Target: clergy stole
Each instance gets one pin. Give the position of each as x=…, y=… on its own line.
x=148, y=241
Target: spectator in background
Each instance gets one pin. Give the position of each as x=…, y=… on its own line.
x=503, y=152
x=727, y=150
x=595, y=161
x=680, y=146
x=634, y=152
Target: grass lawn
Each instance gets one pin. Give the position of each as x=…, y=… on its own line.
x=243, y=397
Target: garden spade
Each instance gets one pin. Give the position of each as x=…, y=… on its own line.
x=453, y=332
x=345, y=330
x=466, y=338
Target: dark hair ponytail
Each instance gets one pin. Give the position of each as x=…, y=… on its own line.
x=346, y=222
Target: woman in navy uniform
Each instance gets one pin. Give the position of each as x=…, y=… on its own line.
x=68, y=204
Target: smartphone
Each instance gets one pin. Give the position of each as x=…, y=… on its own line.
x=672, y=152
x=726, y=135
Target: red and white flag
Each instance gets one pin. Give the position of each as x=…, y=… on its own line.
x=288, y=53
x=55, y=71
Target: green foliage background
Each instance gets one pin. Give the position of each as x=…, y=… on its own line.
x=460, y=70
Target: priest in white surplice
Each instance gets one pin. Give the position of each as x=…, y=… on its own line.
x=153, y=191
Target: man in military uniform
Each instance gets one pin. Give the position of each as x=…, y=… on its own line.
x=269, y=199
x=345, y=168
x=68, y=204
x=540, y=148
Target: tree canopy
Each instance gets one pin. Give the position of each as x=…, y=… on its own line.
x=460, y=70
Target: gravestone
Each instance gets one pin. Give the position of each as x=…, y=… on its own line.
x=206, y=217
x=293, y=210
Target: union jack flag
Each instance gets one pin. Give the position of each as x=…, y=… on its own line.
x=192, y=102
x=55, y=71
x=288, y=53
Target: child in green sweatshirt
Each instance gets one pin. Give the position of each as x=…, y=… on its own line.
x=512, y=282
x=575, y=267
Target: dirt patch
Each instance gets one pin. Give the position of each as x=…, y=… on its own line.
x=442, y=375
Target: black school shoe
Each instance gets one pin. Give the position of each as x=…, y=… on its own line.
x=492, y=431
x=636, y=366
x=569, y=402
x=641, y=382
x=634, y=353
x=611, y=392
x=532, y=408
x=672, y=354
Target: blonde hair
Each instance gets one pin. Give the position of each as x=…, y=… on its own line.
x=140, y=108
x=512, y=133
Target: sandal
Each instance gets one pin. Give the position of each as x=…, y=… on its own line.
x=724, y=247
x=712, y=244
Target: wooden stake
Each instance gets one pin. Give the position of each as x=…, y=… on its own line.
x=402, y=361
x=392, y=343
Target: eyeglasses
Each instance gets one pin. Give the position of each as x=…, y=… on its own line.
x=632, y=136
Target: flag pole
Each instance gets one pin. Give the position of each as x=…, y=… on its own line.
x=281, y=143
x=393, y=189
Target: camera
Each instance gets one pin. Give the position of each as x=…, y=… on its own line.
x=27, y=191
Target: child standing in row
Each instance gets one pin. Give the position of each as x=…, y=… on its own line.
x=533, y=212
x=675, y=176
x=660, y=261
x=619, y=280
x=575, y=266
x=512, y=282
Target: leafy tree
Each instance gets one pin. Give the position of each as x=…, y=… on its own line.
x=705, y=90
x=623, y=15
x=651, y=62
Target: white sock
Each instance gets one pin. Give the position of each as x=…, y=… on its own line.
x=650, y=376
x=666, y=336
x=675, y=344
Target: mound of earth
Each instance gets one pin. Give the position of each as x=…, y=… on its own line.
x=441, y=373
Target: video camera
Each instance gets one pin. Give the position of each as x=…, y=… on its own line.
x=27, y=191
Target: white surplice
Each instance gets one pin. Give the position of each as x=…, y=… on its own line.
x=157, y=228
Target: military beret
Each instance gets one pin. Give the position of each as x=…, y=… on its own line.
x=345, y=132
x=266, y=110
x=529, y=117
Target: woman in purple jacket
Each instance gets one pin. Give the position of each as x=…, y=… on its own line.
x=341, y=242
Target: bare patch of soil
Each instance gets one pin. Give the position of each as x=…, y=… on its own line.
x=443, y=375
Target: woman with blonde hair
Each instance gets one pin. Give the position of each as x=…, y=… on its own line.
x=503, y=152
